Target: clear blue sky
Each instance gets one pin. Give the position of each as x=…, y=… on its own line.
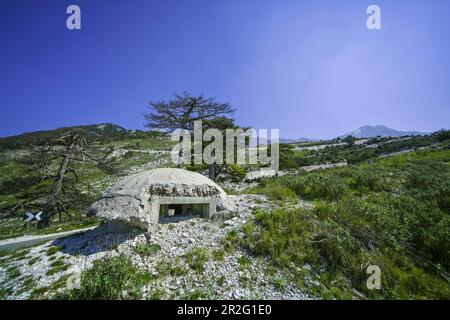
x=310, y=68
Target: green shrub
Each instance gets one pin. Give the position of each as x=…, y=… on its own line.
x=398, y=233
x=195, y=295
x=19, y=255
x=197, y=258
x=13, y=272
x=367, y=179
x=318, y=185
x=231, y=240
x=108, y=278
x=284, y=235
x=442, y=135
x=219, y=255
x=233, y=173
x=275, y=191
x=33, y=260
x=38, y=293
x=53, y=250
x=339, y=238
x=429, y=181
x=244, y=261
x=57, y=266
x=165, y=268
x=147, y=249
x=4, y=292
x=221, y=280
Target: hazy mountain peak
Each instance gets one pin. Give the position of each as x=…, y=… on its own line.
x=368, y=131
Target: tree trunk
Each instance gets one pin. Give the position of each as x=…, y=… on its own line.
x=212, y=171
x=180, y=152
x=50, y=206
x=212, y=168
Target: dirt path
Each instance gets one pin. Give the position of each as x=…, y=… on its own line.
x=26, y=241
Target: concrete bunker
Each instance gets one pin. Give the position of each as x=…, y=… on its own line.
x=160, y=196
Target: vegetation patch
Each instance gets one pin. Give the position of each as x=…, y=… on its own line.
x=231, y=240
x=219, y=254
x=275, y=191
x=279, y=283
x=197, y=258
x=244, y=261
x=109, y=278
x=221, y=280
x=27, y=284
x=147, y=249
x=4, y=254
x=33, y=260
x=19, y=255
x=170, y=268
x=57, y=266
x=195, y=295
x=53, y=250
x=156, y=294
x=38, y=293
x=4, y=292
x=13, y=272
x=393, y=213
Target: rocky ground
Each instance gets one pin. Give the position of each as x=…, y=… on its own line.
x=43, y=270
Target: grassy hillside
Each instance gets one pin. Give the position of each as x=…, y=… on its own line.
x=20, y=164
x=32, y=139
x=392, y=212
x=356, y=150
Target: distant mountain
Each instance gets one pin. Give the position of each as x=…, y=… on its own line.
x=109, y=130
x=382, y=131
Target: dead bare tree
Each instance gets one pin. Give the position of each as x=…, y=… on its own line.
x=181, y=113
x=70, y=147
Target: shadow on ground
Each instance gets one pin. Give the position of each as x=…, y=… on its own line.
x=94, y=241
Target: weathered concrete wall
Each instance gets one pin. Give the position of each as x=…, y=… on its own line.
x=136, y=200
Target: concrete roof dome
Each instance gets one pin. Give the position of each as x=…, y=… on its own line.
x=168, y=182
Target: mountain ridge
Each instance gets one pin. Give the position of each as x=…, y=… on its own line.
x=42, y=136
x=111, y=130
x=369, y=131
